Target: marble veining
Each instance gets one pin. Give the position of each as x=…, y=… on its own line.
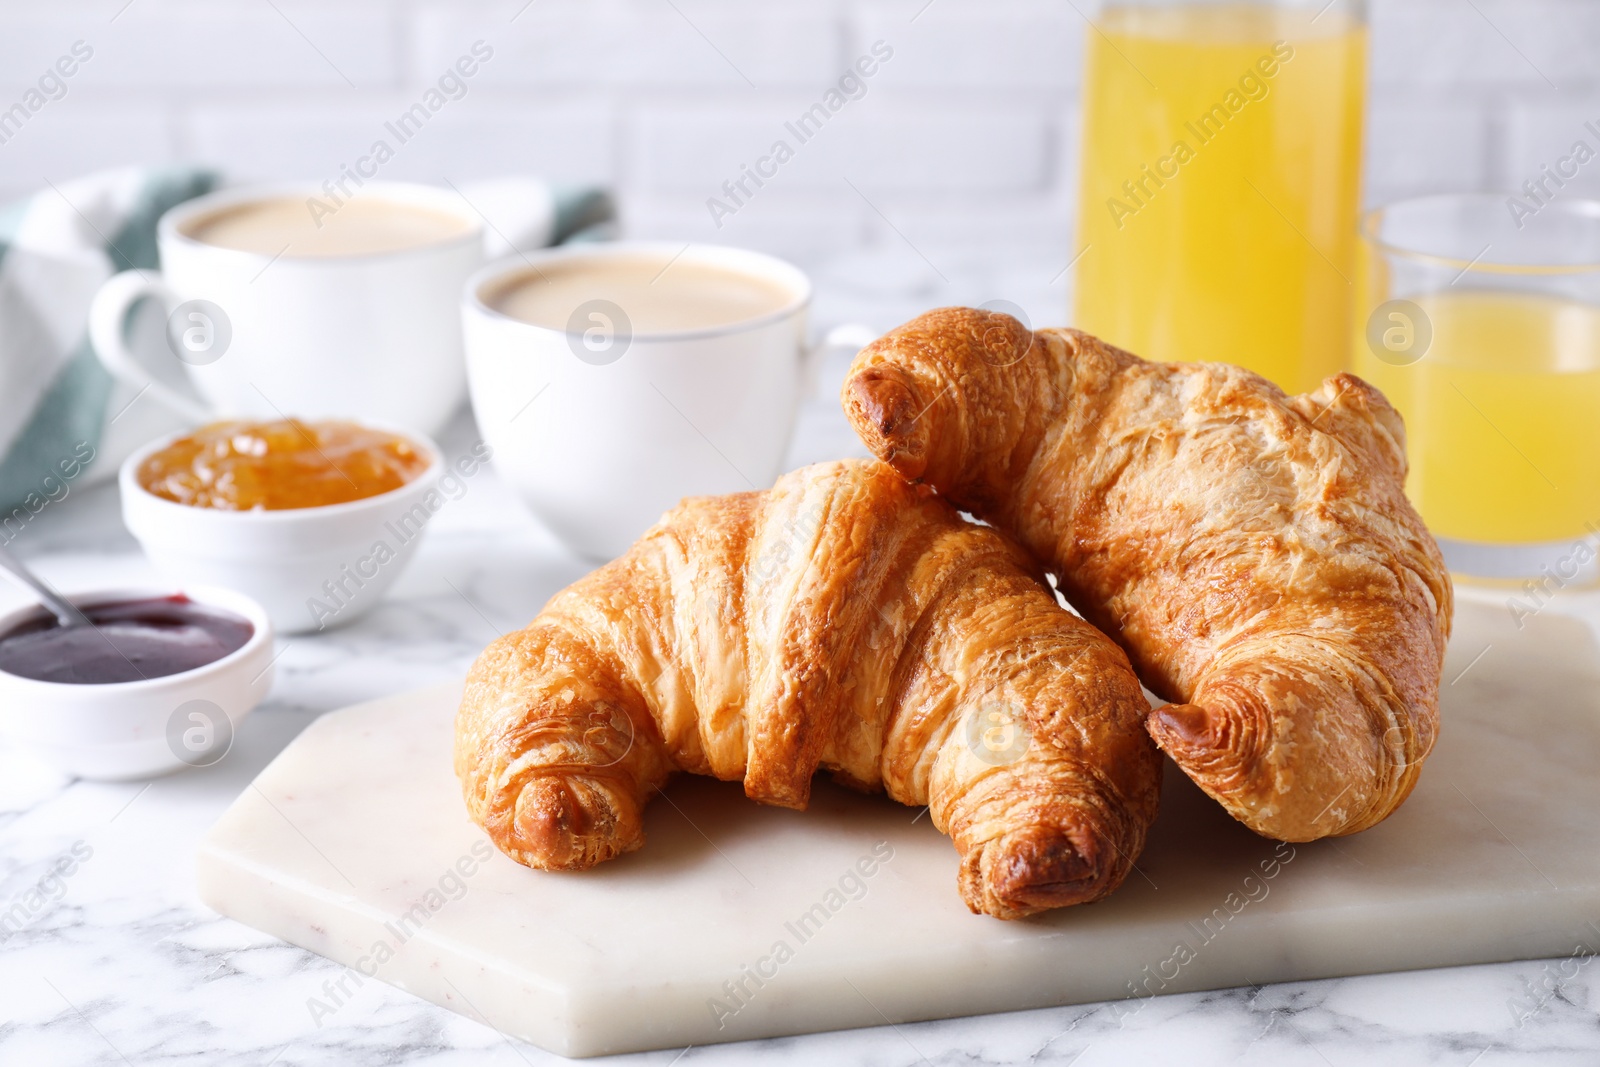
x=121, y=964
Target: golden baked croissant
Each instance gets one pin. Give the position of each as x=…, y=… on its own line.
x=1254, y=553
x=845, y=620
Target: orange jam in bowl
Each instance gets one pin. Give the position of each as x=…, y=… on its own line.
x=275, y=466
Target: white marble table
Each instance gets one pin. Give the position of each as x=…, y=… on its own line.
x=120, y=964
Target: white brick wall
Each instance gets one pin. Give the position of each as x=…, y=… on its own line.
x=1539, y=135
x=965, y=137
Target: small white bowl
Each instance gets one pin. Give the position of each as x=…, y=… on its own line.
x=122, y=730
x=310, y=568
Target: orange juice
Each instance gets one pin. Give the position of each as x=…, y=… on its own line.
x=1220, y=185
x=1502, y=416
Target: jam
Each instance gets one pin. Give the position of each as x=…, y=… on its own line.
x=127, y=640
x=273, y=466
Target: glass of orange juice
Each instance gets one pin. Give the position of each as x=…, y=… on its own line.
x=1220, y=183
x=1482, y=326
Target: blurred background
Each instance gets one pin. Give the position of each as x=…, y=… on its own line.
x=952, y=177
x=931, y=153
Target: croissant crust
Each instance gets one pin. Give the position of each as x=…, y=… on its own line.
x=1253, y=552
x=843, y=620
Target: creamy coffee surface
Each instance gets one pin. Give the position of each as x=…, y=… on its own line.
x=359, y=227
x=658, y=295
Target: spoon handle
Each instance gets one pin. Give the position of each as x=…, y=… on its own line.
x=64, y=611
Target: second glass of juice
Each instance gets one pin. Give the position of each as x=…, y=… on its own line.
x=1480, y=319
x=1220, y=182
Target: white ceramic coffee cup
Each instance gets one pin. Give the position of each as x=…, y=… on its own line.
x=600, y=432
x=375, y=337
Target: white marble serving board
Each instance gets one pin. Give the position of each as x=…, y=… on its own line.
x=1496, y=856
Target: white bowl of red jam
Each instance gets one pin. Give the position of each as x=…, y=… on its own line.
x=151, y=681
x=315, y=520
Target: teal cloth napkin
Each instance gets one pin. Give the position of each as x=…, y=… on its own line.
x=56, y=248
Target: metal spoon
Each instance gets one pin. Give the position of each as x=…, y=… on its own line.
x=66, y=614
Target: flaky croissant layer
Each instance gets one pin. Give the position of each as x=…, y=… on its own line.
x=1254, y=553
x=843, y=620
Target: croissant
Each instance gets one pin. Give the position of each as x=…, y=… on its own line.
x=844, y=620
x=1254, y=553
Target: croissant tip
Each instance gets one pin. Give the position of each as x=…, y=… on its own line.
x=1039, y=868
x=885, y=406
x=567, y=823
x=1188, y=724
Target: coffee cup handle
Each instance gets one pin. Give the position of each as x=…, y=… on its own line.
x=108, y=323
x=852, y=335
